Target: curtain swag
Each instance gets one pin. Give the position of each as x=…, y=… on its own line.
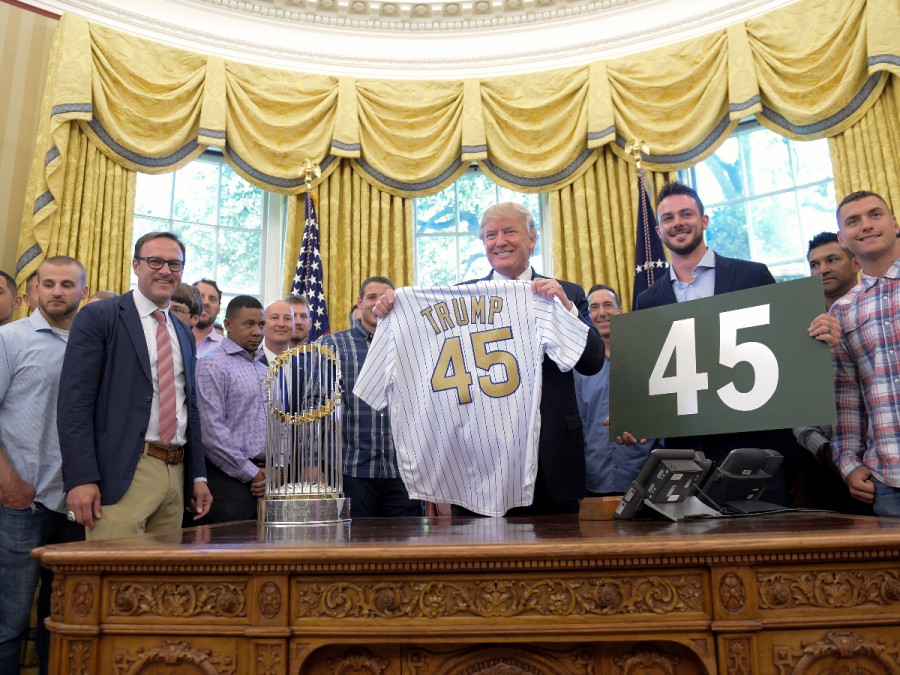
x=809, y=70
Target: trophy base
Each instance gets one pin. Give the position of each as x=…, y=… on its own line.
x=279, y=512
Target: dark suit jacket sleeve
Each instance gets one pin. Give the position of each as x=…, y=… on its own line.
x=79, y=386
x=594, y=353
x=765, y=276
x=194, y=445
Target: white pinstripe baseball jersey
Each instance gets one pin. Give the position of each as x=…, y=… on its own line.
x=461, y=370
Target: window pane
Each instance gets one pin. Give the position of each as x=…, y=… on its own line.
x=817, y=206
x=476, y=193
x=437, y=212
x=473, y=263
x=768, y=161
x=719, y=178
x=200, y=258
x=154, y=195
x=770, y=219
x=240, y=255
x=197, y=193
x=241, y=203
x=436, y=257
x=144, y=225
x=774, y=233
x=728, y=233
x=813, y=161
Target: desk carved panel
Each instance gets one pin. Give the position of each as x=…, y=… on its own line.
x=177, y=600
x=410, y=599
x=831, y=589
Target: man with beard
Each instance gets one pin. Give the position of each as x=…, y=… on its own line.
x=232, y=402
x=31, y=485
x=696, y=272
x=302, y=319
x=207, y=339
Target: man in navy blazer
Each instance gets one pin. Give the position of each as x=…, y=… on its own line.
x=121, y=477
x=507, y=230
x=697, y=272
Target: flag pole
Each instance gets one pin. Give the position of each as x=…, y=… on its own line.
x=308, y=277
x=650, y=258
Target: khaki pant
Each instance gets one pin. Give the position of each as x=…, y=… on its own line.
x=153, y=503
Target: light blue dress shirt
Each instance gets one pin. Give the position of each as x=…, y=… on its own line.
x=703, y=284
x=31, y=357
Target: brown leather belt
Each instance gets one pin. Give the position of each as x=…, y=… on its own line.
x=168, y=455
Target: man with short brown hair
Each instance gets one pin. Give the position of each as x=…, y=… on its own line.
x=207, y=338
x=302, y=319
x=31, y=484
x=129, y=429
x=867, y=435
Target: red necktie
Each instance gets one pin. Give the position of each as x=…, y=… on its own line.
x=165, y=369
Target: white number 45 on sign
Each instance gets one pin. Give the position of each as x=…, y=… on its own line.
x=681, y=342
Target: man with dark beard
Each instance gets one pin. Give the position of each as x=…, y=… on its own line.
x=696, y=272
x=207, y=339
x=33, y=509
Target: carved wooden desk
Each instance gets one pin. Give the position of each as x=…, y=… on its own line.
x=788, y=593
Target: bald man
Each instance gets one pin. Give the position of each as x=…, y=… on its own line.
x=278, y=330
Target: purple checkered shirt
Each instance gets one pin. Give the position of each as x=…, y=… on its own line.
x=867, y=377
x=232, y=402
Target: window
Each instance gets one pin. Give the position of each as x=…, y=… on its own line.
x=447, y=246
x=232, y=230
x=766, y=197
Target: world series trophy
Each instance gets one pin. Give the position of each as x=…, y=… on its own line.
x=304, y=474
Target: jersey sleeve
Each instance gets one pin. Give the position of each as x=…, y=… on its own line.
x=564, y=336
x=374, y=380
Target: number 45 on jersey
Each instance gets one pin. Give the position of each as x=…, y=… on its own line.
x=736, y=362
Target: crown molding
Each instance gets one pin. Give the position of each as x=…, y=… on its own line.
x=357, y=38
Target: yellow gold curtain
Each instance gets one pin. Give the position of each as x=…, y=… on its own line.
x=364, y=232
x=92, y=223
x=867, y=155
x=595, y=224
x=812, y=69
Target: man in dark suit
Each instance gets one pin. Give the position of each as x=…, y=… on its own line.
x=128, y=423
x=507, y=230
x=697, y=272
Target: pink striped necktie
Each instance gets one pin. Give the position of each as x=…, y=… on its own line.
x=165, y=369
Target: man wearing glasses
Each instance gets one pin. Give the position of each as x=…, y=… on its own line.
x=186, y=305
x=129, y=429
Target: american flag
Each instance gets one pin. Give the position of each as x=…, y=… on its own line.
x=650, y=259
x=308, y=275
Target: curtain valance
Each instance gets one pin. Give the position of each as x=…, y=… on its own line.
x=808, y=70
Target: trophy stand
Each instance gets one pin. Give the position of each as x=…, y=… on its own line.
x=304, y=477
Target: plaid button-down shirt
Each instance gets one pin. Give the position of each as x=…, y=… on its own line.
x=867, y=377
x=368, y=450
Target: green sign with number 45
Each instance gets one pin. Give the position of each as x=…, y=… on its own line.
x=740, y=361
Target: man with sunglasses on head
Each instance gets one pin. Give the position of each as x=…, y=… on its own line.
x=129, y=428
